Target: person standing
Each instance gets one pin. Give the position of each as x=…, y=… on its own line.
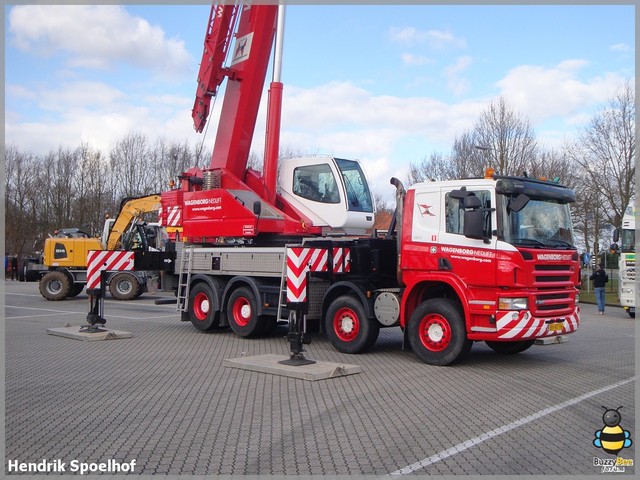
x=600, y=279
x=14, y=267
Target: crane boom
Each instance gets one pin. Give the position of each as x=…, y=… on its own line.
x=212, y=71
x=245, y=75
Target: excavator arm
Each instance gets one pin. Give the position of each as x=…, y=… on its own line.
x=130, y=210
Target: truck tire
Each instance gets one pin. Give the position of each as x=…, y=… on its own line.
x=202, y=310
x=436, y=332
x=55, y=285
x=124, y=286
x=510, y=348
x=76, y=289
x=347, y=326
x=242, y=313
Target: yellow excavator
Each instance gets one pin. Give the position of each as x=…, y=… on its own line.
x=65, y=253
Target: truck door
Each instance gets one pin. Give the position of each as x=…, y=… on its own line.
x=471, y=259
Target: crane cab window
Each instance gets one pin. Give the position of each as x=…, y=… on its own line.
x=317, y=183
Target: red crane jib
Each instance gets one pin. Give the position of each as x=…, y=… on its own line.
x=230, y=207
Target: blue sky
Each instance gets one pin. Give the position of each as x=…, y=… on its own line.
x=388, y=85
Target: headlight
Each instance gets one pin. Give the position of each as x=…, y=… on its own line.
x=513, y=303
x=627, y=290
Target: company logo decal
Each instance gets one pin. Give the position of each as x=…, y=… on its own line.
x=426, y=210
x=612, y=438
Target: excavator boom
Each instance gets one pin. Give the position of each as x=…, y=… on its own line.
x=130, y=209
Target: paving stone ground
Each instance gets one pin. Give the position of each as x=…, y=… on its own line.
x=164, y=399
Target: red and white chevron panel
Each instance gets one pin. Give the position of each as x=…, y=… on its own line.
x=174, y=217
x=522, y=325
x=300, y=261
x=341, y=260
x=99, y=260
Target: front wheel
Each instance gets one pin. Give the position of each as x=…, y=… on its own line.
x=55, y=285
x=348, y=328
x=437, y=333
x=510, y=348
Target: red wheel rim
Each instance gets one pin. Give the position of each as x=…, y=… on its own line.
x=241, y=311
x=201, y=306
x=346, y=324
x=435, y=332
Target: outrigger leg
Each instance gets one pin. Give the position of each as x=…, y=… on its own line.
x=297, y=338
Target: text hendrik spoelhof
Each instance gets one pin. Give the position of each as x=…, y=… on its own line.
x=74, y=466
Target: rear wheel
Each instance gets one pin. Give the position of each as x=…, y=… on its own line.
x=124, y=286
x=202, y=310
x=437, y=333
x=55, y=285
x=242, y=313
x=347, y=326
x=510, y=347
x=76, y=289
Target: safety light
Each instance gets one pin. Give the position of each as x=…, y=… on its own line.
x=489, y=172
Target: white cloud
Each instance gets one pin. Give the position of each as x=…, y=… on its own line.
x=96, y=36
x=455, y=83
x=436, y=39
x=414, y=60
x=541, y=93
x=620, y=47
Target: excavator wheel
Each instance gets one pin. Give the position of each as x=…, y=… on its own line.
x=76, y=289
x=55, y=285
x=124, y=286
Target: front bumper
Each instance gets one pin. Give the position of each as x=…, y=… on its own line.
x=522, y=325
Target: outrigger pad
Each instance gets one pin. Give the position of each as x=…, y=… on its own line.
x=277, y=365
x=82, y=333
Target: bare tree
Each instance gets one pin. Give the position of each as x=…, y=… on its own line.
x=507, y=138
x=131, y=167
x=501, y=139
x=605, y=151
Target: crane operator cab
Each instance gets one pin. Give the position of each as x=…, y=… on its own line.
x=331, y=192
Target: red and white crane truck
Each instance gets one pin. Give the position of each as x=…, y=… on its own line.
x=486, y=259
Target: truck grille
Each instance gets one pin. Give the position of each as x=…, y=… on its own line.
x=629, y=270
x=553, y=302
x=545, y=275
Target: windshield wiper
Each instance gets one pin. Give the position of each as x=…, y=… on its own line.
x=530, y=241
x=560, y=243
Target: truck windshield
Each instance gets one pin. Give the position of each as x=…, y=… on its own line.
x=628, y=241
x=541, y=223
x=358, y=196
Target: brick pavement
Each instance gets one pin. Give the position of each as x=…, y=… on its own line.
x=164, y=399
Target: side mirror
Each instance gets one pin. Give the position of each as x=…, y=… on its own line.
x=616, y=235
x=473, y=224
x=518, y=203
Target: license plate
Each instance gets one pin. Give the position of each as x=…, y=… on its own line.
x=555, y=327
